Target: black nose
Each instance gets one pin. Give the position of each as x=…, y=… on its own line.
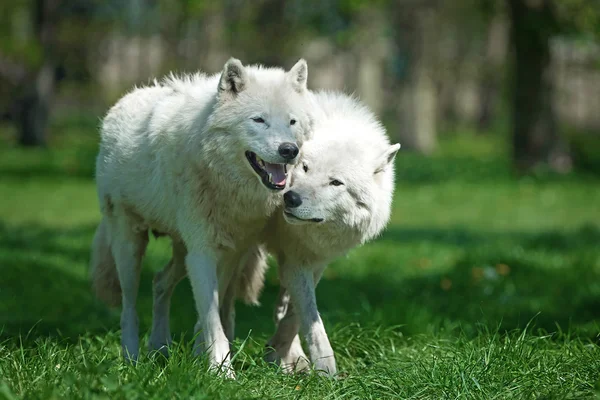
x=292, y=199
x=289, y=151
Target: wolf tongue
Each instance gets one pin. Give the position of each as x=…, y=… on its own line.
x=277, y=172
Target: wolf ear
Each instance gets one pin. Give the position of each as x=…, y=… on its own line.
x=298, y=75
x=234, y=77
x=386, y=158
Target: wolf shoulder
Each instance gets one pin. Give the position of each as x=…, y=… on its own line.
x=165, y=112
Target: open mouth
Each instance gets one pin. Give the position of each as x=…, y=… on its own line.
x=272, y=176
x=292, y=216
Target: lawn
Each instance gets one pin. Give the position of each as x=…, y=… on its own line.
x=483, y=286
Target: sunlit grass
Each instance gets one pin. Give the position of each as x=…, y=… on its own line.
x=483, y=286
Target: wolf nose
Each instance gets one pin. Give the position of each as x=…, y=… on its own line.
x=289, y=151
x=292, y=199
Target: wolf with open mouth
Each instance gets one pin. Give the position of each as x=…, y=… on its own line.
x=202, y=159
x=339, y=197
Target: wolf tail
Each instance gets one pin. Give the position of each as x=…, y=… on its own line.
x=103, y=270
x=252, y=277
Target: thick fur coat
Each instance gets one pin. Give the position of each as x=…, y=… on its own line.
x=198, y=158
x=339, y=196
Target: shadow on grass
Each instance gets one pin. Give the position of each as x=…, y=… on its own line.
x=587, y=237
x=415, y=169
x=51, y=165
x=412, y=168
x=44, y=290
x=73, y=157
x=506, y=295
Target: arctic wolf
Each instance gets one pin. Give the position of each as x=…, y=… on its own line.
x=340, y=197
x=202, y=159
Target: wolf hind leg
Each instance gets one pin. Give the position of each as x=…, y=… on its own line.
x=128, y=246
x=103, y=271
x=163, y=286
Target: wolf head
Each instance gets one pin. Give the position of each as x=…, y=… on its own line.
x=346, y=176
x=267, y=112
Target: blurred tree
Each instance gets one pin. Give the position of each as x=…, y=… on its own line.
x=579, y=17
x=38, y=86
x=263, y=31
x=28, y=66
x=468, y=56
x=535, y=135
x=493, y=63
x=415, y=37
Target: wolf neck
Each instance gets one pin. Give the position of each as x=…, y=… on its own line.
x=232, y=200
x=310, y=243
x=229, y=167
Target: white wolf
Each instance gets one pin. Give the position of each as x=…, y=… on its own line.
x=340, y=197
x=203, y=160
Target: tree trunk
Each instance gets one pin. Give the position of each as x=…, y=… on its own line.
x=535, y=136
x=370, y=51
x=489, y=90
x=417, y=109
x=214, y=49
x=272, y=29
x=34, y=107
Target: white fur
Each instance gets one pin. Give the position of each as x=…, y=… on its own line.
x=349, y=145
x=172, y=160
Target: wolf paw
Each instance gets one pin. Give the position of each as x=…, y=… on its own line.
x=294, y=361
x=325, y=366
x=225, y=370
x=295, y=364
x=155, y=349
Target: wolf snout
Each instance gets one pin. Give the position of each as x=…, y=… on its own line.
x=288, y=150
x=292, y=199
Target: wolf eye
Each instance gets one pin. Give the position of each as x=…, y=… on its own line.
x=293, y=122
x=258, y=120
x=335, y=182
x=305, y=167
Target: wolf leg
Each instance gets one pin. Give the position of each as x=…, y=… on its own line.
x=128, y=246
x=288, y=350
x=230, y=273
x=163, y=286
x=301, y=282
x=227, y=311
x=210, y=337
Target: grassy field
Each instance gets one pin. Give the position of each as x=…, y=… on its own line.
x=483, y=287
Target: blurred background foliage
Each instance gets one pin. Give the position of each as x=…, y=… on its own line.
x=525, y=69
x=477, y=92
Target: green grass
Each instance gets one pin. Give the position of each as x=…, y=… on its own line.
x=483, y=286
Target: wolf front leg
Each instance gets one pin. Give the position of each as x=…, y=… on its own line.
x=285, y=342
x=300, y=282
x=210, y=337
